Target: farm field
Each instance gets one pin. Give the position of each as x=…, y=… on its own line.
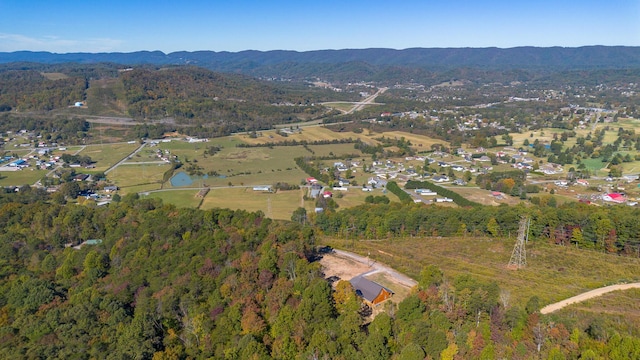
x=484, y=197
x=131, y=176
x=248, y=166
x=418, y=142
x=28, y=176
x=355, y=196
x=279, y=205
x=553, y=273
x=311, y=133
x=179, y=198
x=108, y=154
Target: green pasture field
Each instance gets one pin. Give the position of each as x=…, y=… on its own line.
x=140, y=189
x=553, y=273
x=596, y=166
x=145, y=155
x=27, y=176
x=327, y=150
x=610, y=136
x=179, y=198
x=20, y=152
x=249, y=166
x=69, y=150
x=108, y=154
x=310, y=133
x=625, y=123
x=279, y=205
x=127, y=176
x=293, y=177
x=355, y=196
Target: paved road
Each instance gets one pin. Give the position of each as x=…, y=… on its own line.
x=586, y=296
x=126, y=158
x=377, y=267
x=39, y=183
x=367, y=101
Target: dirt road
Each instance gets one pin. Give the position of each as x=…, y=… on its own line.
x=587, y=295
x=372, y=267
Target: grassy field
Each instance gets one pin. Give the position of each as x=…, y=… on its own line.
x=311, y=133
x=279, y=205
x=107, y=155
x=482, y=196
x=27, y=176
x=132, y=176
x=179, y=198
x=355, y=197
x=248, y=166
x=17, y=152
x=596, y=165
x=553, y=273
x=418, y=142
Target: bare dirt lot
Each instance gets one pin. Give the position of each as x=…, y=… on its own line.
x=346, y=265
x=342, y=267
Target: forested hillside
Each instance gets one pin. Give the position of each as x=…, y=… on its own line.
x=25, y=90
x=227, y=102
x=208, y=103
x=518, y=57
x=159, y=282
x=382, y=65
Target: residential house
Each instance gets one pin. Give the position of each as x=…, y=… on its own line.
x=371, y=292
x=614, y=197
x=440, y=178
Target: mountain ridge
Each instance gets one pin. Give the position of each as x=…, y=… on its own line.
x=525, y=57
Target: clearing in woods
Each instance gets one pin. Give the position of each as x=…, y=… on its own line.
x=346, y=266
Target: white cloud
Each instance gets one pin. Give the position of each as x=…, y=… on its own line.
x=52, y=43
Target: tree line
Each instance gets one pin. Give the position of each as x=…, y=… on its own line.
x=611, y=229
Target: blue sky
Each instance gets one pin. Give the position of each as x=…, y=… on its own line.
x=124, y=26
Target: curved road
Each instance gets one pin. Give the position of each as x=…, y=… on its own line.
x=586, y=296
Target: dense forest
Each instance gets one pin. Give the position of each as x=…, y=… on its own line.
x=197, y=96
x=25, y=90
x=148, y=280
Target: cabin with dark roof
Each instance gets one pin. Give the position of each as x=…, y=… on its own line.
x=371, y=292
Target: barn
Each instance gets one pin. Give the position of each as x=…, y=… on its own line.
x=372, y=292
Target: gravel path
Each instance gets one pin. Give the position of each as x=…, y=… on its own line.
x=378, y=267
x=585, y=296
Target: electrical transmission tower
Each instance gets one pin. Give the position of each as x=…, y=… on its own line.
x=519, y=256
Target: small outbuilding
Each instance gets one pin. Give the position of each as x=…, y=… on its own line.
x=371, y=292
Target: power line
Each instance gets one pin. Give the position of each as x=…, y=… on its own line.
x=519, y=255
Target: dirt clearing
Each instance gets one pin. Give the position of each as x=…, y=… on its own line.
x=345, y=266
